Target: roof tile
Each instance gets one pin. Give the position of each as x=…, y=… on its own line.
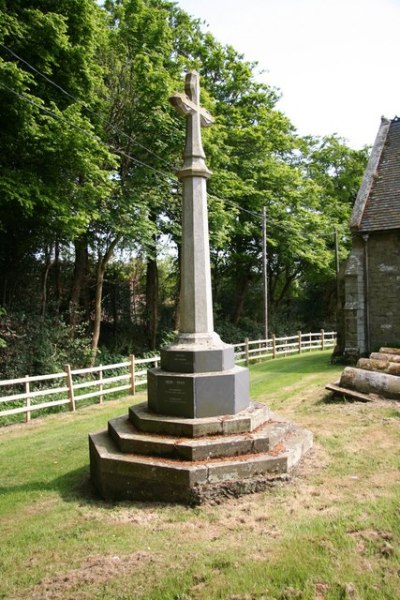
x=382, y=210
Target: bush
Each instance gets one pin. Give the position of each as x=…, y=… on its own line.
x=34, y=346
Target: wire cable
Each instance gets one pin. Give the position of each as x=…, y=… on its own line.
x=137, y=161
x=85, y=131
x=66, y=93
x=164, y=174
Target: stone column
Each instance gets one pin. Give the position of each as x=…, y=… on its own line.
x=198, y=376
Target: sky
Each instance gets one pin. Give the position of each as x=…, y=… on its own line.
x=335, y=62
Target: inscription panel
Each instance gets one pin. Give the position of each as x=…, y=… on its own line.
x=179, y=362
x=176, y=390
x=169, y=394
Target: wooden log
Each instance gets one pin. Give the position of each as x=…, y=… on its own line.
x=384, y=356
x=384, y=366
x=371, y=382
x=390, y=350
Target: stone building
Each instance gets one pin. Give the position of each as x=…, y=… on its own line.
x=372, y=272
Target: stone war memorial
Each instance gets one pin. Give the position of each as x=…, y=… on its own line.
x=198, y=437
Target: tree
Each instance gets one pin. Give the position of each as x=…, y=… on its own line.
x=54, y=166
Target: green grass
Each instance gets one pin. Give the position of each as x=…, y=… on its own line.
x=332, y=533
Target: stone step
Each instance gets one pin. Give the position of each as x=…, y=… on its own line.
x=121, y=476
x=245, y=421
x=129, y=440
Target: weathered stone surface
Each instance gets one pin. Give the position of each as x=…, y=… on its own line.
x=245, y=421
x=197, y=395
x=119, y=476
x=131, y=466
x=150, y=422
x=129, y=440
x=271, y=434
x=368, y=382
x=246, y=468
x=383, y=250
x=196, y=297
x=184, y=359
x=383, y=366
x=123, y=477
x=297, y=445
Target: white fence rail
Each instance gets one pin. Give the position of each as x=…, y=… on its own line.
x=25, y=395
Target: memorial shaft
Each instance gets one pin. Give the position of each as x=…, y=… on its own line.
x=196, y=296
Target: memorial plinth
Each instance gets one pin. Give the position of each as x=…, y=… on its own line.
x=198, y=437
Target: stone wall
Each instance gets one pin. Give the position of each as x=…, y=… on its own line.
x=384, y=289
x=354, y=306
x=375, y=323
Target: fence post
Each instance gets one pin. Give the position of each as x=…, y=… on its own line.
x=101, y=397
x=322, y=339
x=132, y=371
x=299, y=341
x=273, y=346
x=246, y=351
x=70, y=386
x=28, y=400
x=310, y=342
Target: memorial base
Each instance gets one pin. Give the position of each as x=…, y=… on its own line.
x=198, y=437
x=145, y=456
x=196, y=395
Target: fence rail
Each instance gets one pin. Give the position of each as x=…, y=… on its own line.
x=88, y=383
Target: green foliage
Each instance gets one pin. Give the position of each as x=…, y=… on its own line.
x=39, y=346
x=90, y=163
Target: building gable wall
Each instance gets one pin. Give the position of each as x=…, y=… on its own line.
x=384, y=289
x=372, y=303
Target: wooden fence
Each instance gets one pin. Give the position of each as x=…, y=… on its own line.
x=73, y=386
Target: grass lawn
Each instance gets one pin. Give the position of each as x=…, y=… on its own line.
x=332, y=533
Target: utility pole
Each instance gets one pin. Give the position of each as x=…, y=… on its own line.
x=265, y=273
x=337, y=268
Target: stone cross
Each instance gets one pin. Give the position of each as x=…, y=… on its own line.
x=196, y=322
x=188, y=104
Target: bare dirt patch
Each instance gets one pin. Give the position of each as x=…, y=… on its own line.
x=93, y=570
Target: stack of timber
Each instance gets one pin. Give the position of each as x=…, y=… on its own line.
x=378, y=375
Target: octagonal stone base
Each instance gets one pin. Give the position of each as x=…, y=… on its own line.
x=186, y=359
x=198, y=459
x=247, y=420
x=194, y=395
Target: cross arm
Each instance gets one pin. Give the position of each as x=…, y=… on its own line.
x=186, y=107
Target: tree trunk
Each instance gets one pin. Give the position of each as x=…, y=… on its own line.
x=371, y=382
x=79, y=278
x=48, y=264
x=384, y=366
x=114, y=304
x=100, y=271
x=242, y=287
x=383, y=356
x=177, y=307
x=395, y=351
x=152, y=302
x=57, y=269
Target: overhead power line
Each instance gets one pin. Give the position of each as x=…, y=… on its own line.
x=86, y=106
x=137, y=161
x=114, y=127
x=82, y=130
x=164, y=174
